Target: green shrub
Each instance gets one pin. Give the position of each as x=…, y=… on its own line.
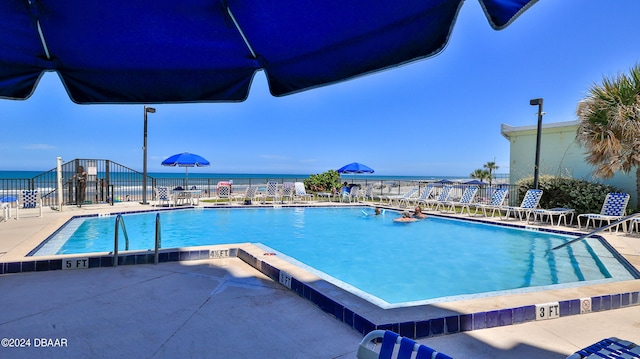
x=583, y=196
x=323, y=182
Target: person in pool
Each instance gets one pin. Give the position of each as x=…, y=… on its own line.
x=406, y=217
x=418, y=213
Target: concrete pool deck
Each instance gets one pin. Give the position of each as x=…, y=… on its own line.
x=225, y=308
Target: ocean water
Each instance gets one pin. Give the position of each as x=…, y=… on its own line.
x=198, y=174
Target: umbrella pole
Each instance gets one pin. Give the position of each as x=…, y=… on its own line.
x=186, y=181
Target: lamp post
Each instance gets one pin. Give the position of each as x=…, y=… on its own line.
x=144, y=155
x=534, y=102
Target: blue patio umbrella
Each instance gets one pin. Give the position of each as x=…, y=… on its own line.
x=167, y=51
x=355, y=168
x=186, y=160
x=476, y=182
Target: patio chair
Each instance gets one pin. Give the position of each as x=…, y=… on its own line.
x=288, y=191
x=495, y=204
x=366, y=194
x=224, y=193
x=6, y=203
x=404, y=348
x=468, y=196
x=442, y=198
x=301, y=192
x=29, y=200
x=352, y=195
x=529, y=202
x=271, y=192
x=163, y=196
x=613, y=208
x=608, y=348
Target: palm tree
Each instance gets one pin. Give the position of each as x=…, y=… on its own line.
x=491, y=166
x=609, y=125
x=480, y=174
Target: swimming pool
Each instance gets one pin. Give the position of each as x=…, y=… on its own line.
x=387, y=263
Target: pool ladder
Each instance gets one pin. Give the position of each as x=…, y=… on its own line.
x=120, y=221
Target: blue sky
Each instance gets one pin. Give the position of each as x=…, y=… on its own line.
x=439, y=116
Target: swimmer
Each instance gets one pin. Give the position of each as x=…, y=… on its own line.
x=406, y=217
x=418, y=213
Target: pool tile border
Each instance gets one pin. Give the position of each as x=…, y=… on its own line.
x=452, y=324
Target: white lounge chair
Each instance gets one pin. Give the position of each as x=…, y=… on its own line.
x=529, y=202
x=425, y=195
x=441, y=200
x=413, y=192
x=395, y=346
x=29, y=200
x=468, y=196
x=613, y=208
x=495, y=204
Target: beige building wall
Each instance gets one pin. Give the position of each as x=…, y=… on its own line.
x=559, y=155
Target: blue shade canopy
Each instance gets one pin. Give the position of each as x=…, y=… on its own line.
x=167, y=51
x=355, y=168
x=186, y=159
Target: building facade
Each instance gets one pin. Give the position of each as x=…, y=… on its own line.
x=560, y=155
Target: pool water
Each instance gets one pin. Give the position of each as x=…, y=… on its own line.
x=395, y=263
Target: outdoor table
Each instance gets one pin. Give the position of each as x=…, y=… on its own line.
x=191, y=196
x=328, y=195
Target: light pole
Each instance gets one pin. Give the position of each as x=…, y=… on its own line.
x=537, y=101
x=144, y=155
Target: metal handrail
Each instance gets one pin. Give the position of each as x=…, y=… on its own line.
x=600, y=229
x=119, y=220
x=158, y=238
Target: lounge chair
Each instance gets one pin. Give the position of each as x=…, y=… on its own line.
x=529, y=202
x=163, y=196
x=608, y=348
x=443, y=197
x=29, y=200
x=468, y=196
x=271, y=192
x=397, y=198
x=613, y=208
x=404, y=348
x=495, y=204
x=423, y=196
x=301, y=192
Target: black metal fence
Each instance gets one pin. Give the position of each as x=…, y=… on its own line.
x=108, y=182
